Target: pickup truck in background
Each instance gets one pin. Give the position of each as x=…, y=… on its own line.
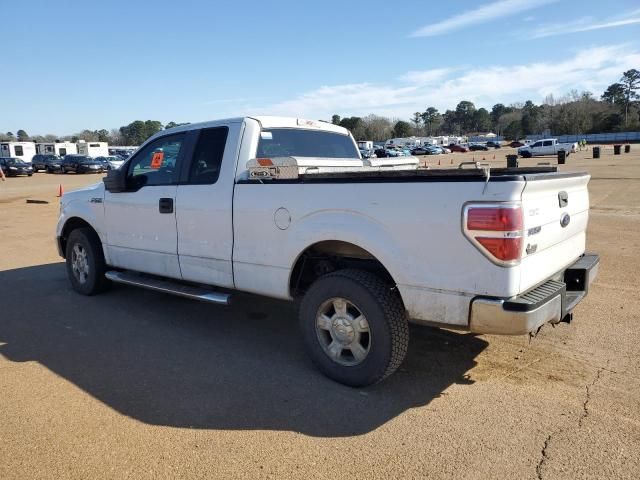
x=287, y=208
x=547, y=146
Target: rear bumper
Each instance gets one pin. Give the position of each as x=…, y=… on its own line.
x=553, y=301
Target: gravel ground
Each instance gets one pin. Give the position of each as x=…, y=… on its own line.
x=136, y=384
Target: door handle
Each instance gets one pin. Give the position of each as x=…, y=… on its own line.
x=165, y=205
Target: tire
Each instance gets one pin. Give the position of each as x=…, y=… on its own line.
x=29, y=174
x=92, y=280
x=384, y=340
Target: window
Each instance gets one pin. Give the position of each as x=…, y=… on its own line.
x=63, y=151
x=291, y=142
x=547, y=143
x=537, y=144
x=19, y=150
x=207, y=158
x=155, y=164
x=94, y=145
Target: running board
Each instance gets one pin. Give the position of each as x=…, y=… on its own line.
x=169, y=286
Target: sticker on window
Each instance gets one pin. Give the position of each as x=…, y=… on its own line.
x=266, y=135
x=156, y=160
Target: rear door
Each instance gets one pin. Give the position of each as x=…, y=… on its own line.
x=141, y=222
x=204, y=206
x=556, y=213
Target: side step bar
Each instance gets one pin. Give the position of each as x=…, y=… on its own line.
x=169, y=286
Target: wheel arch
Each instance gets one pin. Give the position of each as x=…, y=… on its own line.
x=72, y=223
x=326, y=256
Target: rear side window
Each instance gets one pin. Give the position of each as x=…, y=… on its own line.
x=207, y=158
x=291, y=142
x=547, y=143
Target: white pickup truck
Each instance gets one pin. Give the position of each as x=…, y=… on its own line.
x=547, y=146
x=288, y=209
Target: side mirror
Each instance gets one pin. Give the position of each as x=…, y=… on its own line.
x=116, y=180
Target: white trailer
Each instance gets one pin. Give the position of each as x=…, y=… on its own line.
x=403, y=142
x=93, y=149
x=59, y=148
x=22, y=150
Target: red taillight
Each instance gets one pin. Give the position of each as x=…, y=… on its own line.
x=496, y=231
x=505, y=249
x=497, y=219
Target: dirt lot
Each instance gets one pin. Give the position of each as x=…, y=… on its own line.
x=135, y=384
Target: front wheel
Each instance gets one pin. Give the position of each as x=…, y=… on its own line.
x=354, y=327
x=85, y=262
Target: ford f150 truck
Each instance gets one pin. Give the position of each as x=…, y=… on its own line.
x=288, y=209
x=547, y=146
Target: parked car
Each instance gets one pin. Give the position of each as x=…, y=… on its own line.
x=38, y=163
x=478, y=146
x=547, y=146
x=420, y=151
x=12, y=167
x=445, y=149
x=82, y=164
x=380, y=152
x=208, y=210
x=366, y=153
x=454, y=147
x=110, y=162
x=516, y=144
x=494, y=144
x=391, y=152
x=47, y=162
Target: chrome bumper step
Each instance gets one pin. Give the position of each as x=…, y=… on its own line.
x=173, y=287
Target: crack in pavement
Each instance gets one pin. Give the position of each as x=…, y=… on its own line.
x=543, y=458
x=585, y=413
x=585, y=404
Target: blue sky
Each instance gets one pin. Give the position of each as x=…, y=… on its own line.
x=69, y=65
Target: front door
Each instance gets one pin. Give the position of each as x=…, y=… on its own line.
x=141, y=222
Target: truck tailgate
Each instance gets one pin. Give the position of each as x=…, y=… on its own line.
x=556, y=212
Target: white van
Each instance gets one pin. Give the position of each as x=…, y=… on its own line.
x=22, y=150
x=93, y=149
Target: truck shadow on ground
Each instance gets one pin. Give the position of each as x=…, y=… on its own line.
x=169, y=361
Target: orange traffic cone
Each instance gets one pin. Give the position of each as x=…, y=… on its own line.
x=494, y=156
x=452, y=161
x=483, y=159
x=438, y=162
x=60, y=191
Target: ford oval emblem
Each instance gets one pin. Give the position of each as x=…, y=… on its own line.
x=565, y=219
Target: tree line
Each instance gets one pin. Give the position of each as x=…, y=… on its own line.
x=133, y=134
x=617, y=109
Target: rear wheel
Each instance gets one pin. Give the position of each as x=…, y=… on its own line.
x=85, y=262
x=354, y=327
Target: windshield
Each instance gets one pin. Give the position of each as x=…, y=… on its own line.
x=15, y=161
x=292, y=142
